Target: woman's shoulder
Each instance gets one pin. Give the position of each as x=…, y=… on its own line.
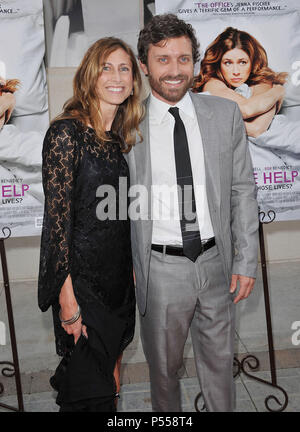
x=64, y=125
x=62, y=136
x=213, y=83
x=65, y=128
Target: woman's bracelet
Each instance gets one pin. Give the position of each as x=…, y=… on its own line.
x=72, y=320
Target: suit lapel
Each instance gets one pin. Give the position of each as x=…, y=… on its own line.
x=142, y=154
x=143, y=179
x=211, y=150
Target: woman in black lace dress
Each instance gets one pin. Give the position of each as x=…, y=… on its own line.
x=85, y=263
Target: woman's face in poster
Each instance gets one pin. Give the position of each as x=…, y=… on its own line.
x=235, y=67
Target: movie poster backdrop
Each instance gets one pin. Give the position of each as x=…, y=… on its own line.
x=22, y=51
x=69, y=27
x=276, y=25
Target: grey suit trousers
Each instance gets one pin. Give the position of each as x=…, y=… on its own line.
x=183, y=295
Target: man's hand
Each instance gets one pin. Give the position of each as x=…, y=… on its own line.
x=246, y=286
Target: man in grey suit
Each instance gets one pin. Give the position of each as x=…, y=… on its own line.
x=188, y=264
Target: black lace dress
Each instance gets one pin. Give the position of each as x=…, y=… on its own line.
x=81, y=179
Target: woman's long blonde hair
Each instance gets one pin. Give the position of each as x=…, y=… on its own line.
x=229, y=39
x=84, y=104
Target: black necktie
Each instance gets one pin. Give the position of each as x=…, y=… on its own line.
x=191, y=240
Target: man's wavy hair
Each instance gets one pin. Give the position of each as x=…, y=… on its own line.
x=229, y=39
x=162, y=27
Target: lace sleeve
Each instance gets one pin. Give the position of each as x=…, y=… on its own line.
x=60, y=160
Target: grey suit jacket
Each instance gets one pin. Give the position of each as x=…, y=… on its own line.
x=230, y=190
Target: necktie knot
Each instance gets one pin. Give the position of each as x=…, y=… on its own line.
x=175, y=112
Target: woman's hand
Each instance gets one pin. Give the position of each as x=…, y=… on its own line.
x=74, y=329
x=260, y=124
x=69, y=307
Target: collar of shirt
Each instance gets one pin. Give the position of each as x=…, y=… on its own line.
x=159, y=109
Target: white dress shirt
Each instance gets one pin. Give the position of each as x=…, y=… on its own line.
x=165, y=208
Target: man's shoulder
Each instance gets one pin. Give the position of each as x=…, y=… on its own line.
x=214, y=102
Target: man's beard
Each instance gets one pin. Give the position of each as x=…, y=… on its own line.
x=171, y=94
